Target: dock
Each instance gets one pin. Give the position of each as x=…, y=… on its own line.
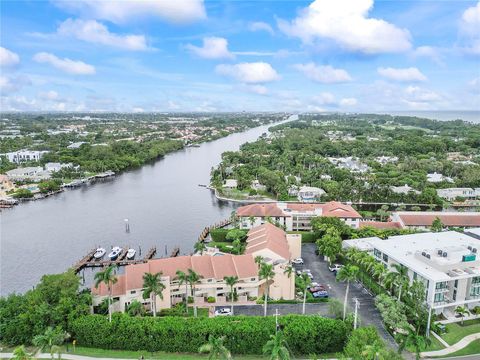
x=89, y=262
x=206, y=231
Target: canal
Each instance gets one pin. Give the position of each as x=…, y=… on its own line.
x=163, y=202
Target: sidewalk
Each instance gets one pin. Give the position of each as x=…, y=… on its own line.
x=451, y=349
x=64, y=356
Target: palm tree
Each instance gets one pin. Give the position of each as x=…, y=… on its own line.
x=347, y=273
x=135, y=308
x=21, y=354
x=266, y=272
x=410, y=339
x=378, y=271
x=51, y=339
x=258, y=260
x=183, y=279
x=289, y=270
x=252, y=220
x=192, y=279
x=231, y=281
x=200, y=247
x=304, y=283
x=109, y=278
x=215, y=348
x=276, y=348
x=462, y=311
x=153, y=287
x=399, y=277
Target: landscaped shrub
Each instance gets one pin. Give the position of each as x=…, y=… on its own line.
x=219, y=235
x=210, y=299
x=243, y=334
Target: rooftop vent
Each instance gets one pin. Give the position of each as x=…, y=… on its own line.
x=428, y=256
x=469, y=248
x=444, y=254
x=439, y=252
x=424, y=253
x=474, y=250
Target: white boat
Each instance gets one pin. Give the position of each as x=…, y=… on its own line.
x=99, y=253
x=116, y=251
x=131, y=254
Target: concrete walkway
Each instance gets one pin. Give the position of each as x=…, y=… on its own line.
x=451, y=349
x=64, y=356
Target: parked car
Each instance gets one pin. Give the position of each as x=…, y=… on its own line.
x=297, y=261
x=317, y=289
x=313, y=284
x=335, y=267
x=223, y=312
x=298, y=272
x=320, y=294
x=306, y=271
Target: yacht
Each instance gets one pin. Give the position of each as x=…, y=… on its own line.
x=116, y=251
x=99, y=253
x=131, y=254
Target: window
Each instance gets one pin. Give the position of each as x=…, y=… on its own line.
x=454, y=295
x=414, y=276
x=476, y=280
x=475, y=291
x=133, y=292
x=385, y=257
x=439, y=297
x=377, y=253
x=455, y=284
x=441, y=285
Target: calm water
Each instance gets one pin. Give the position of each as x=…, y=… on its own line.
x=163, y=202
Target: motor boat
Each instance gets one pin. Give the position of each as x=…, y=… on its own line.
x=99, y=253
x=131, y=254
x=116, y=251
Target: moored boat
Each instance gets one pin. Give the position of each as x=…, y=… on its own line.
x=99, y=253
x=116, y=251
x=131, y=254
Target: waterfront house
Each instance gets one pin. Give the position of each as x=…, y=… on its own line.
x=295, y=216
x=453, y=193
x=20, y=156
x=230, y=184
x=34, y=173
x=447, y=263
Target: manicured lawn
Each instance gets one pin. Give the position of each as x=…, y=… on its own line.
x=435, y=345
x=457, y=331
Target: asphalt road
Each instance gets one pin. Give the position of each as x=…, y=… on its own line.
x=283, y=309
x=368, y=313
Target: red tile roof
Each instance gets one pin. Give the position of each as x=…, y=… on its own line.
x=381, y=224
x=261, y=210
x=337, y=209
x=206, y=266
x=268, y=236
x=460, y=220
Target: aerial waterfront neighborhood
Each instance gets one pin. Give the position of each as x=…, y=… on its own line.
x=248, y=180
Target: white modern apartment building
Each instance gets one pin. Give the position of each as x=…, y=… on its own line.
x=447, y=263
x=295, y=216
x=453, y=193
x=24, y=155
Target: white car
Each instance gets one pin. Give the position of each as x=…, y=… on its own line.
x=223, y=312
x=297, y=261
x=334, y=267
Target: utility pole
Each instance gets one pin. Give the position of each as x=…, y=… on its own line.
x=357, y=305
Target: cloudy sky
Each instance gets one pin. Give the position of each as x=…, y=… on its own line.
x=194, y=55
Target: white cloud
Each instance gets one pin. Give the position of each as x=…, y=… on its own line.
x=429, y=52
x=94, y=32
x=8, y=58
x=257, y=89
x=348, y=102
x=260, y=26
x=65, y=64
x=470, y=29
x=325, y=98
x=10, y=84
x=177, y=11
x=405, y=74
x=347, y=23
x=323, y=73
x=418, y=98
x=48, y=95
x=213, y=48
x=249, y=73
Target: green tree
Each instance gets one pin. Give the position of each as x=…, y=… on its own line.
x=347, y=273
x=50, y=340
x=359, y=339
x=182, y=278
x=277, y=348
x=462, y=311
x=231, y=281
x=408, y=338
x=235, y=234
x=21, y=354
x=330, y=245
x=266, y=272
x=107, y=277
x=289, y=271
x=437, y=225
x=22, y=194
x=200, y=247
x=153, y=287
x=193, y=278
x=335, y=308
x=215, y=348
x=258, y=260
x=304, y=282
x=399, y=278
x=136, y=308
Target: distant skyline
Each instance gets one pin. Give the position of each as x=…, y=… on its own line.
x=191, y=55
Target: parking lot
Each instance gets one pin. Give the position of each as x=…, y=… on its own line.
x=283, y=309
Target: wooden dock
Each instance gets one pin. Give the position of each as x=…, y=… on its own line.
x=89, y=262
x=206, y=231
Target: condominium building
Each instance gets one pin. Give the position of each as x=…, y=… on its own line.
x=24, y=155
x=267, y=241
x=295, y=216
x=447, y=263
x=424, y=219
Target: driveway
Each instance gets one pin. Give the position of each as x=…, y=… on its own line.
x=368, y=313
x=283, y=309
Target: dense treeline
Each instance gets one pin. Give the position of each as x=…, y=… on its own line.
x=244, y=334
x=302, y=149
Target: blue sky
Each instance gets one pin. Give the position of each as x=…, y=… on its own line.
x=191, y=55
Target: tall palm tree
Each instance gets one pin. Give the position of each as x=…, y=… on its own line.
x=289, y=270
x=410, y=339
x=215, y=348
x=193, y=278
x=50, y=340
x=266, y=272
x=304, y=283
x=378, y=271
x=153, y=287
x=398, y=278
x=108, y=277
x=347, y=273
x=182, y=278
x=231, y=281
x=200, y=247
x=252, y=220
x=258, y=260
x=21, y=354
x=276, y=348
x=462, y=311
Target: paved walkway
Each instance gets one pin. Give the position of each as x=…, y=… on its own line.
x=64, y=356
x=455, y=347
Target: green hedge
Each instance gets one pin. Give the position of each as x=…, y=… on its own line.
x=307, y=236
x=219, y=235
x=244, y=335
